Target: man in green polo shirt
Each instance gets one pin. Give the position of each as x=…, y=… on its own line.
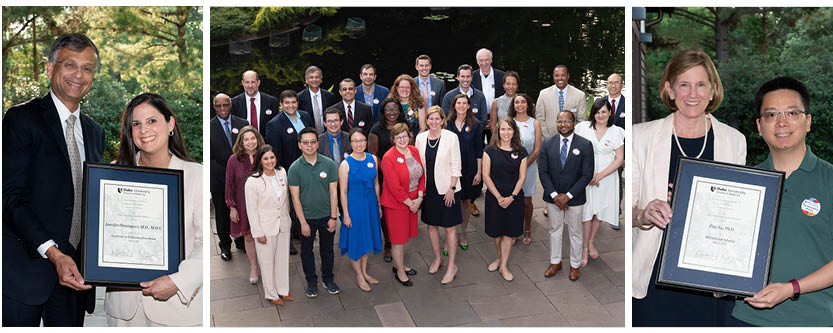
x=802, y=258
x=312, y=181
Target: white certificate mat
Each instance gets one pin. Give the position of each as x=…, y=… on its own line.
x=721, y=227
x=133, y=232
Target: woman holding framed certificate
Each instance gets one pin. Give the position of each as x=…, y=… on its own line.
x=150, y=137
x=691, y=89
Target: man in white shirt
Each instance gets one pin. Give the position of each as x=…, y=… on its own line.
x=257, y=107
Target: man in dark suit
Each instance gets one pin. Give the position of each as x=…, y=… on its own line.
x=315, y=100
x=478, y=101
x=45, y=142
x=430, y=87
x=616, y=99
x=326, y=146
x=371, y=93
x=223, y=130
x=565, y=168
x=257, y=107
x=356, y=114
x=493, y=77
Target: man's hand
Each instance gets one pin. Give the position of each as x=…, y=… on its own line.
x=561, y=201
x=305, y=229
x=331, y=225
x=68, y=274
x=161, y=288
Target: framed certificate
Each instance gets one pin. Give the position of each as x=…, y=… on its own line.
x=133, y=224
x=722, y=228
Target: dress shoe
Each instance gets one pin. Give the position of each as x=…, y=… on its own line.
x=616, y=227
x=277, y=301
x=287, y=298
x=438, y=268
x=447, y=281
x=584, y=259
x=225, y=254
x=507, y=275
x=292, y=250
x=387, y=256
x=406, y=283
x=574, y=274
x=493, y=266
x=552, y=269
x=474, y=210
x=407, y=271
x=253, y=279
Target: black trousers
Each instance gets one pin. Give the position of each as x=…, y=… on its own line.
x=64, y=308
x=325, y=250
x=222, y=220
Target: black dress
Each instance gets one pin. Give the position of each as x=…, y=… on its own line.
x=471, y=148
x=434, y=211
x=505, y=168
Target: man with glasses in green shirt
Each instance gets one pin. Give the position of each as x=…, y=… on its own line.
x=802, y=258
x=313, y=179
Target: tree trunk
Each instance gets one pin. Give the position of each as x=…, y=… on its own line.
x=35, y=49
x=764, y=30
x=721, y=35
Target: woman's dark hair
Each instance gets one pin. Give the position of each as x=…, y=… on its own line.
x=238, y=149
x=597, y=105
x=257, y=168
x=452, y=117
x=529, y=106
x=515, y=142
x=354, y=131
x=128, y=149
x=383, y=120
x=512, y=74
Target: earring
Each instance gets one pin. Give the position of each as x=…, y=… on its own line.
x=171, y=133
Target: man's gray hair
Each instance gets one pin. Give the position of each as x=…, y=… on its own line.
x=75, y=42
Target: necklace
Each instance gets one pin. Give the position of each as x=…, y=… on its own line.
x=705, y=138
x=435, y=144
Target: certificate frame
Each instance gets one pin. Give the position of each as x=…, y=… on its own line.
x=713, y=261
x=101, y=176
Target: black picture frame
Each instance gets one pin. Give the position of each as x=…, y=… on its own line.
x=675, y=271
x=94, y=174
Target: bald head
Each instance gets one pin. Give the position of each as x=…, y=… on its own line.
x=222, y=105
x=484, y=60
x=614, y=85
x=250, y=82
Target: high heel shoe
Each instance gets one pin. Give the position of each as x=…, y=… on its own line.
x=584, y=257
x=444, y=281
x=527, y=237
x=594, y=253
x=438, y=269
x=410, y=272
x=406, y=283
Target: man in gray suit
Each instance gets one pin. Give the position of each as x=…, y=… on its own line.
x=559, y=97
x=334, y=143
x=431, y=88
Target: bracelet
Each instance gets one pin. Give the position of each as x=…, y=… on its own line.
x=796, y=290
x=643, y=226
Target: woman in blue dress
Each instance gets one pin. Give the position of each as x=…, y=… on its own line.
x=359, y=190
x=469, y=132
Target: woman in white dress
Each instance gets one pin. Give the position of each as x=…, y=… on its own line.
x=530, y=132
x=603, y=190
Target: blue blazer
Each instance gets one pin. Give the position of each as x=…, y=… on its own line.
x=284, y=140
x=38, y=196
x=478, y=104
x=577, y=171
x=379, y=94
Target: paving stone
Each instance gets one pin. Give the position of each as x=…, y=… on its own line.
x=231, y=287
x=432, y=310
x=324, y=303
x=260, y=317
x=354, y=298
x=236, y=304
x=512, y=305
x=553, y=319
x=617, y=310
x=475, y=291
x=394, y=315
x=361, y=317
x=616, y=260
x=580, y=308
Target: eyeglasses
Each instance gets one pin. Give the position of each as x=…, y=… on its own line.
x=562, y=121
x=402, y=137
x=332, y=121
x=348, y=89
x=222, y=106
x=614, y=83
x=72, y=67
x=789, y=115
x=358, y=141
x=309, y=143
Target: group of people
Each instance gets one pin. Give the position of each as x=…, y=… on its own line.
x=379, y=158
x=802, y=254
x=45, y=143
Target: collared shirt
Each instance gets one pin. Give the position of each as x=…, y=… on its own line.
x=421, y=83
x=468, y=93
x=616, y=105
x=561, y=143
x=249, y=107
x=565, y=90
x=368, y=96
x=313, y=183
x=803, y=244
x=338, y=139
x=223, y=124
x=352, y=105
x=296, y=123
x=488, y=84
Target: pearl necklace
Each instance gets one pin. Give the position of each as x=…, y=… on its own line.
x=436, y=144
x=705, y=139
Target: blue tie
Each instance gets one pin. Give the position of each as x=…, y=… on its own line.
x=561, y=100
x=336, y=151
x=227, y=129
x=564, y=153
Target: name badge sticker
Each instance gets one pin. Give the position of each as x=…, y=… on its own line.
x=370, y=165
x=323, y=174
x=282, y=182
x=268, y=112
x=810, y=206
x=235, y=131
x=400, y=160
x=622, y=115
x=576, y=151
x=290, y=130
x=346, y=154
x=410, y=112
x=514, y=156
x=433, y=93
x=474, y=110
x=375, y=101
x=468, y=129
x=361, y=123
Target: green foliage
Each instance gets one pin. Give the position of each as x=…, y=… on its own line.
x=231, y=21
x=269, y=18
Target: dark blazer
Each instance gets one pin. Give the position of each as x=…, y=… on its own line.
x=621, y=106
x=362, y=116
x=499, y=75
x=220, y=151
x=284, y=138
x=38, y=196
x=268, y=109
x=577, y=171
x=379, y=94
x=324, y=147
x=478, y=104
x=328, y=99
x=437, y=87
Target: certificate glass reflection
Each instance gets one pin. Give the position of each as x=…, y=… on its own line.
x=133, y=229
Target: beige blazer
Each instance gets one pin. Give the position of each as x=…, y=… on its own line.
x=651, y=161
x=448, y=162
x=268, y=215
x=184, y=308
x=546, y=108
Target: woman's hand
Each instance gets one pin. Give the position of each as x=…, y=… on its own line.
x=771, y=296
x=449, y=197
x=261, y=239
x=161, y=288
x=504, y=202
x=235, y=218
x=347, y=221
x=477, y=179
x=380, y=211
x=596, y=179
x=658, y=213
x=415, y=204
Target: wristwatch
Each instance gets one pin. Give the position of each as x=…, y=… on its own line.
x=333, y=218
x=796, y=290
x=453, y=188
x=514, y=196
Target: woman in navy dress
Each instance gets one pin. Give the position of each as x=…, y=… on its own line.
x=504, y=172
x=469, y=132
x=359, y=190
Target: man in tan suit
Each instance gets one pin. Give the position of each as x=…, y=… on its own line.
x=559, y=97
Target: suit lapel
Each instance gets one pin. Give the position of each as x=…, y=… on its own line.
x=89, y=144
x=53, y=123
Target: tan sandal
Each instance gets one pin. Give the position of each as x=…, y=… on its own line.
x=527, y=237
